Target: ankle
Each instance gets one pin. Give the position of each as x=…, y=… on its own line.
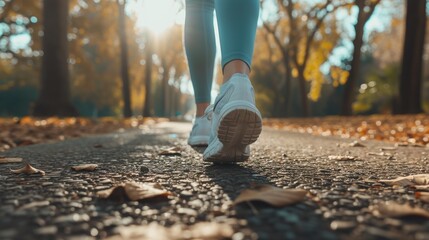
x=201, y=108
x=234, y=67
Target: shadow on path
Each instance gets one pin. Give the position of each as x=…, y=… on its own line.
x=297, y=221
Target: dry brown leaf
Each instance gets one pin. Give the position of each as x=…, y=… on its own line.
x=134, y=191
x=343, y=158
x=28, y=169
x=274, y=196
x=412, y=180
x=155, y=231
x=85, y=167
x=174, y=151
x=392, y=209
x=423, y=196
x=10, y=160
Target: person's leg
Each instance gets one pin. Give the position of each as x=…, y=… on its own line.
x=236, y=122
x=237, y=20
x=200, y=47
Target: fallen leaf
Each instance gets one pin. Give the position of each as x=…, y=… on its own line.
x=343, y=158
x=155, y=231
x=174, y=151
x=392, y=209
x=10, y=160
x=412, y=180
x=28, y=169
x=85, y=167
x=274, y=196
x=423, y=196
x=356, y=144
x=134, y=191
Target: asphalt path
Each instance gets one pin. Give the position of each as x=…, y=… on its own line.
x=65, y=204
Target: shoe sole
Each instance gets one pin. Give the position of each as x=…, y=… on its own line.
x=198, y=141
x=237, y=129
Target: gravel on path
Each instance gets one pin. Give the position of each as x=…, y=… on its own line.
x=65, y=204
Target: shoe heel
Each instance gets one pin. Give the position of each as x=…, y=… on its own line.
x=239, y=127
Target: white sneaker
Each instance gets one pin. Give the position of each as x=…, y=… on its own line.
x=236, y=122
x=200, y=133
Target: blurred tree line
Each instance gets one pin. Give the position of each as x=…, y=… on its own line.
x=88, y=57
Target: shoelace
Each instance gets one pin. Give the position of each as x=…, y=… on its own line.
x=209, y=113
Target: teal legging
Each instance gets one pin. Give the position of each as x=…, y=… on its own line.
x=237, y=21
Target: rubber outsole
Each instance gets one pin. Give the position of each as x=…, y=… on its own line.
x=198, y=141
x=236, y=131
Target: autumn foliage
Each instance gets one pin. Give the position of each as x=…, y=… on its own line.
x=403, y=129
x=27, y=131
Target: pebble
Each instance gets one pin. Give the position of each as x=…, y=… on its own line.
x=144, y=170
x=79, y=237
x=353, y=189
x=99, y=188
x=59, y=194
x=9, y=233
x=35, y=205
x=6, y=209
x=342, y=225
x=196, y=203
x=72, y=218
x=48, y=230
x=422, y=236
x=75, y=205
x=289, y=217
x=186, y=193
x=187, y=211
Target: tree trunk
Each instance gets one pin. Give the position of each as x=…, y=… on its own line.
x=164, y=92
x=303, y=93
x=349, y=88
x=126, y=94
x=147, y=111
x=54, y=95
x=287, y=87
x=411, y=75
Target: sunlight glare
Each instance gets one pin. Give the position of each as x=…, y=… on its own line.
x=158, y=15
